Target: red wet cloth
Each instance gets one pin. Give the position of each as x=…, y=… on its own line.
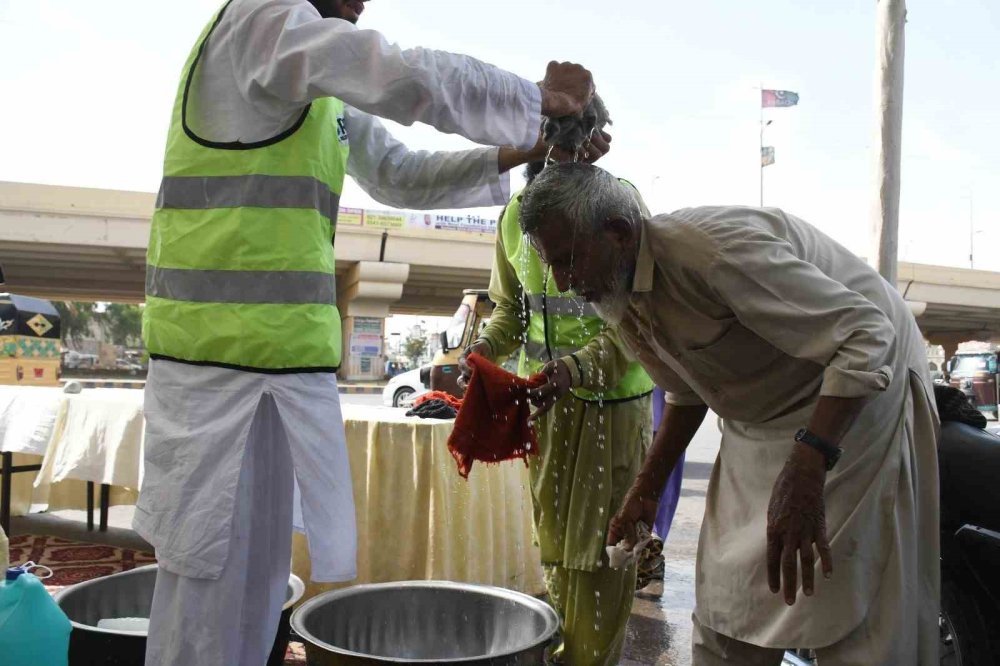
x=492, y=425
x=439, y=395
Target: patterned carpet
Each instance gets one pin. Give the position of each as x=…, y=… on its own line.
x=74, y=562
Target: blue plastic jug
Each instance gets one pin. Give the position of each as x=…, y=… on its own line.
x=34, y=631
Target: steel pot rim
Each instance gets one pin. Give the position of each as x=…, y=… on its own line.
x=545, y=610
x=298, y=590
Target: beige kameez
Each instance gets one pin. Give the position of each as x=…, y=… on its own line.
x=757, y=314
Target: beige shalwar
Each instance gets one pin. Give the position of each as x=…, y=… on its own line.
x=757, y=314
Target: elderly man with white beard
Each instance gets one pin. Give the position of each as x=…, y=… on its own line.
x=818, y=370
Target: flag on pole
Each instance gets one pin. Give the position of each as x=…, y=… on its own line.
x=766, y=156
x=778, y=98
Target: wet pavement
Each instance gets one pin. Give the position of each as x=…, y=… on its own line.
x=659, y=632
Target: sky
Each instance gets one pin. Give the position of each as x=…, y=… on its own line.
x=88, y=87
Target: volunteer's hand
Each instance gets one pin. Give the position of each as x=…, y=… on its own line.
x=639, y=504
x=480, y=347
x=545, y=396
x=566, y=90
x=796, y=519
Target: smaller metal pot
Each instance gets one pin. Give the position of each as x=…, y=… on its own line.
x=130, y=594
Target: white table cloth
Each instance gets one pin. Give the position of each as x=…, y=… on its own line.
x=97, y=437
x=27, y=418
x=93, y=436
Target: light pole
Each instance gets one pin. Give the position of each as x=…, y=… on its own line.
x=891, y=36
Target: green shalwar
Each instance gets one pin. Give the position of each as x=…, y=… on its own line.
x=592, y=443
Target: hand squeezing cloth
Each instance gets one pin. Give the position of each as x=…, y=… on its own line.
x=492, y=425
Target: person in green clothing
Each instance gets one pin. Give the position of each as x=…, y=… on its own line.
x=594, y=428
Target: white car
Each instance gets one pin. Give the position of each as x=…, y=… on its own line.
x=403, y=388
x=128, y=366
x=74, y=360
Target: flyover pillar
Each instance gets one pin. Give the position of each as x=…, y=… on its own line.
x=950, y=342
x=364, y=295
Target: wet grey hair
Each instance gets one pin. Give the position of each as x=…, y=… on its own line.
x=581, y=193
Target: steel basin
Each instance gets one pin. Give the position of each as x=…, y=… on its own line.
x=130, y=594
x=425, y=622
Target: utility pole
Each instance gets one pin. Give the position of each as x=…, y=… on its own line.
x=891, y=54
x=760, y=153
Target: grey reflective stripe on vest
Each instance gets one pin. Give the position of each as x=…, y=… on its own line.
x=256, y=287
x=255, y=191
x=566, y=306
x=537, y=351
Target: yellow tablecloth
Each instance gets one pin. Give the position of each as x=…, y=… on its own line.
x=419, y=520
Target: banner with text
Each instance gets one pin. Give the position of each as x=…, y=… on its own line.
x=385, y=219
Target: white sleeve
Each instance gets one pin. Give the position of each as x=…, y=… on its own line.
x=394, y=175
x=284, y=49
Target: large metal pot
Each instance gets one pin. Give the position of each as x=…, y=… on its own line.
x=425, y=622
x=130, y=594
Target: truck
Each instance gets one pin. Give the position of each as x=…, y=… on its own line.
x=30, y=349
x=975, y=374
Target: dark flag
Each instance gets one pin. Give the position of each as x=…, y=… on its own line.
x=778, y=98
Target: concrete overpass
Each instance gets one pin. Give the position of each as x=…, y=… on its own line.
x=85, y=244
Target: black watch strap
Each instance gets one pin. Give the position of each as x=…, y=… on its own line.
x=830, y=452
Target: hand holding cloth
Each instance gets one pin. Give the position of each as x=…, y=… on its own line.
x=492, y=425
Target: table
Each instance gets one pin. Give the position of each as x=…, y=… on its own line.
x=419, y=520
x=84, y=440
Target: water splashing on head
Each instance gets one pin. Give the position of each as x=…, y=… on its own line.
x=586, y=225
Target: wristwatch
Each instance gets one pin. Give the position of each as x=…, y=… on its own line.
x=830, y=452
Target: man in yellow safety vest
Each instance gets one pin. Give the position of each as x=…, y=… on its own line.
x=275, y=107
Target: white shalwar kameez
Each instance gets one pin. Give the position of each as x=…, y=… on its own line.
x=224, y=447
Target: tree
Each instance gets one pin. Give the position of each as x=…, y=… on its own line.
x=414, y=348
x=75, y=319
x=122, y=323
